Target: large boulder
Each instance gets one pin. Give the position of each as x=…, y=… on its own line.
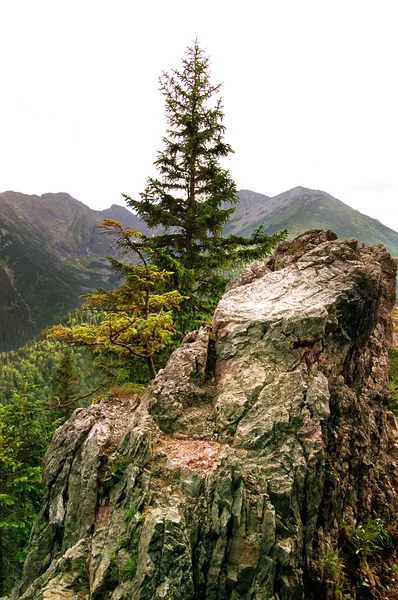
x=260, y=464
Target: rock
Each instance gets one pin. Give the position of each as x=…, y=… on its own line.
x=180, y=399
x=253, y=460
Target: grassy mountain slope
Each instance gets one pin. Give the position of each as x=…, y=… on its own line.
x=300, y=209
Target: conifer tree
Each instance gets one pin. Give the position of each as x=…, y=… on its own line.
x=64, y=382
x=193, y=197
x=136, y=318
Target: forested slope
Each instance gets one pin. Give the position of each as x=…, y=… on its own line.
x=40, y=386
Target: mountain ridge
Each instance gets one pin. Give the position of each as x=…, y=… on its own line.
x=58, y=214
x=302, y=208
x=51, y=250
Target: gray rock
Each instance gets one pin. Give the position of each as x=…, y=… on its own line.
x=251, y=459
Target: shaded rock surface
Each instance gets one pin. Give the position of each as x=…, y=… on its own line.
x=252, y=459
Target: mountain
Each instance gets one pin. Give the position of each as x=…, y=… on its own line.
x=51, y=251
x=300, y=209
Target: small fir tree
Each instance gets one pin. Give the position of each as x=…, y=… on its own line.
x=136, y=318
x=193, y=197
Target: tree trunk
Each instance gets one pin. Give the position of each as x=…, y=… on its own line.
x=151, y=367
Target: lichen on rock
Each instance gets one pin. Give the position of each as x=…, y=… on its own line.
x=254, y=459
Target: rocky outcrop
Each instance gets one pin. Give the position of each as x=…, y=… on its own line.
x=261, y=463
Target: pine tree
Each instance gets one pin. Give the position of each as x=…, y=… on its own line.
x=193, y=198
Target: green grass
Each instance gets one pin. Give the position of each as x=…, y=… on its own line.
x=370, y=539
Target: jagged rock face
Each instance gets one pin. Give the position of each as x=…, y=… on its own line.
x=252, y=457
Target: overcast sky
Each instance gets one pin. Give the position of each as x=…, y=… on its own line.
x=310, y=94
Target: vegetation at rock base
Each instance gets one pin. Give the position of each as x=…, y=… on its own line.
x=37, y=383
x=365, y=555
x=25, y=432
x=370, y=539
x=193, y=197
x=333, y=572
x=393, y=371
x=393, y=375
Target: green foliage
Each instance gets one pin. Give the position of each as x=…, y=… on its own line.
x=130, y=568
x=131, y=514
x=122, y=568
x=35, y=364
x=333, y=573
x=136, y=318
x=65, y=384
x=370, y=539
x=28, y=417
x=333, y=568
x=393, y=376
x=25, y=432
x=114, y=472
x=193, y=198
x=373, y=547
x=367, y=553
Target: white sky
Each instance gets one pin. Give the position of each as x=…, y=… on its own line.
x=310, y=94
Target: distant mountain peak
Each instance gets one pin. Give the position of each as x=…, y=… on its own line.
x=301, y=188
x=297, y=191
x=118, y=206
x=300, y=209
x=59, y=195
